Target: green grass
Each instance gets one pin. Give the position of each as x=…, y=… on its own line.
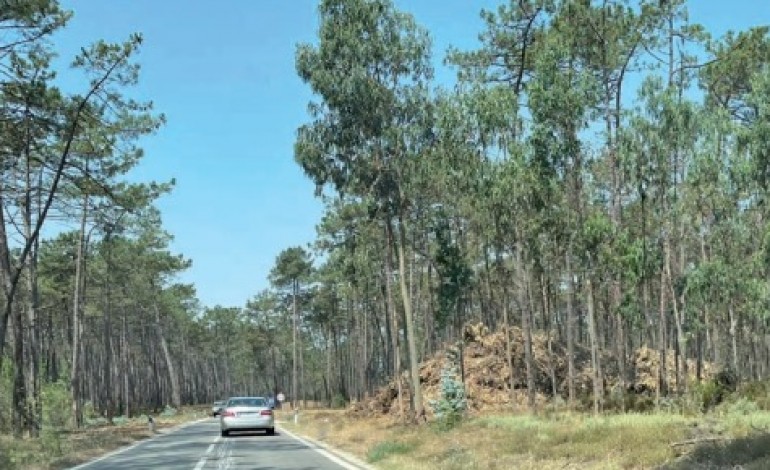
x=385, y=449
x=558, y=440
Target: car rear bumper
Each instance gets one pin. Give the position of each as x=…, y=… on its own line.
x=247, y=422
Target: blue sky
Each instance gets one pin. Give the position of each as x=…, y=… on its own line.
x=223, y=74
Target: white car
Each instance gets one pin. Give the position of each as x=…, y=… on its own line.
x=246, y=414
x=216, y=408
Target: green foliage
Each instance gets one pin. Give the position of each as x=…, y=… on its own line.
x=452, y=404
x=292, y=265
x=57, y=405
x=453, y=272
x=757, y=392
x=338, y=401
x=741, y=406
x=168, y=411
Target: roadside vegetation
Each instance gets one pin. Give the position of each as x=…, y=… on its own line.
x=735, y=434
x=62, y=447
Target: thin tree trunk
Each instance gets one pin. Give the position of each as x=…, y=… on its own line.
x=734, y=339
x=176, y=400
x=391, y=307
x=598, y=393
x=76, y=328
x=294, y=390
x=410, y=334
x=34, y=413
x=19, y=415
x=570, y=329
x=526, y=325
x=506, y=322
x=662, y=389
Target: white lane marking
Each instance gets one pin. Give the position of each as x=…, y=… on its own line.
x=202, y=462
x=326, y=454
x=225, y=455
x=135, y=445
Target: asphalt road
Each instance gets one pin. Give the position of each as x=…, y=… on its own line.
x=199, y=447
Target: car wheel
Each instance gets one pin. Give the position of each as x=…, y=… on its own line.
x=270, y=431
x=225, y=433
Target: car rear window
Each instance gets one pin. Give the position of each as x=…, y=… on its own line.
x=247, y=402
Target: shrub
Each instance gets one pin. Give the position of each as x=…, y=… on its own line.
x=6, y=460
x=338, y=401
x=756, y=391
x=120, y=420
x=57, y=405
x=450, y=407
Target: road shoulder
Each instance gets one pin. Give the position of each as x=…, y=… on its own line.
x=345, y=459
x=158, y=434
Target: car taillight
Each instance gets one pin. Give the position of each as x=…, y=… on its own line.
x=266, y=412
x=228, y=414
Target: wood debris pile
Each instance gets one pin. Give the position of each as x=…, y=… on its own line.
x=487, y=374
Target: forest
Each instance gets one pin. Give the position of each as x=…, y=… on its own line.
x=597, y=176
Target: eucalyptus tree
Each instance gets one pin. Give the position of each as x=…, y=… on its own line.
x=370, y=69
x=495, y=78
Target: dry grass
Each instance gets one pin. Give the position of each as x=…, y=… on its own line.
x=58, y=450
x=562, y=440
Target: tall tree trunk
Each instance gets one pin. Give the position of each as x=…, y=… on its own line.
x=34, y=410
x=19, y=417
x=124, y=359
x=570, y=328
x=410, y=334
x=176, y=400
x=294, y=390
x=501, y=272
x=526, y=323
x=5, y=275
x=391, y=307
x=75, y=373
x=733, y=330
x=598, y=393
x=662, y=388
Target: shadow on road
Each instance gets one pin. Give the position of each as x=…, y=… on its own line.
x=750, y=452
x=237, y=434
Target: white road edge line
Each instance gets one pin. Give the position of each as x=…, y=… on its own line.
x=204, y=459
x=323, y=452
x=134, y=445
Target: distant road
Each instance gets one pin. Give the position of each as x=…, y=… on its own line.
x=199, y=447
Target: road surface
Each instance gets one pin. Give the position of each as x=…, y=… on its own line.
x=199, y=447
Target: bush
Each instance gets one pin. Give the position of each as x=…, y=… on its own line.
x=120, y=420
x=450, y=408
x=57, y=405
x=168, y=412
x=338, y=401
x=742, y=407
x=6, y=461
x=708, y=394
x=758, y=392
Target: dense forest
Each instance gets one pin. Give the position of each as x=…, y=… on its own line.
x=598, y=173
